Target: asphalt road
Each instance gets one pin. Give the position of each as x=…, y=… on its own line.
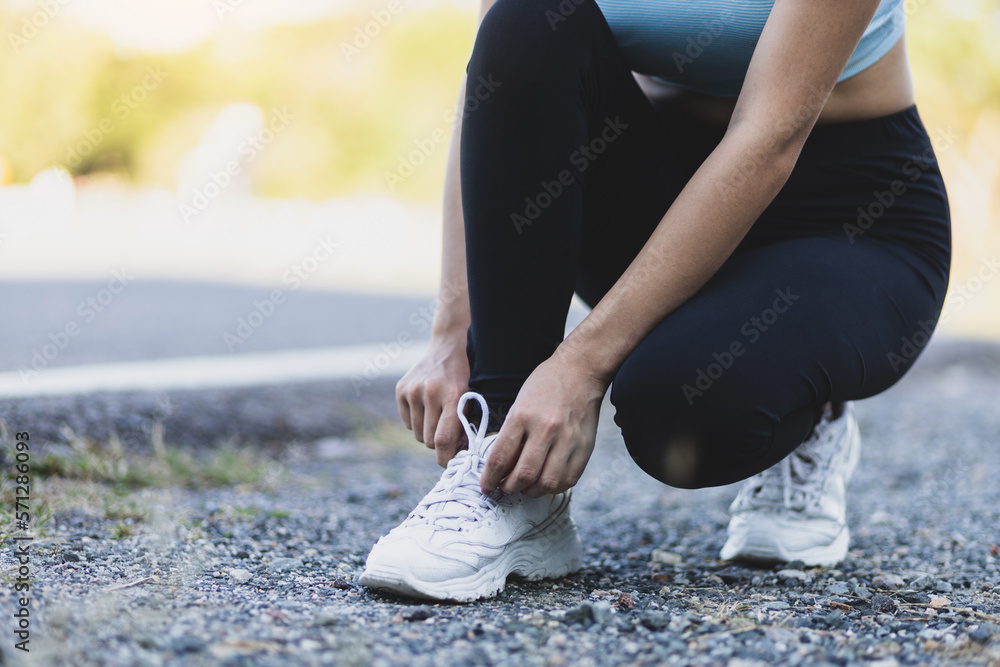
x=157, y=320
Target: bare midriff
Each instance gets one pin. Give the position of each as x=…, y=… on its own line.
x=884, y=88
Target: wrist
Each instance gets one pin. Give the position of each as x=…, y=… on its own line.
x=452, y=314
x=585, y=361
x=450, y=329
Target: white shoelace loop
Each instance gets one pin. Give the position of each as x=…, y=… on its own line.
x=457, y=496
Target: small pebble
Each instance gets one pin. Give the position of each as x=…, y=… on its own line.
x=941, y=586
x=624, y=602
x=922, y=583
x=883, y=604
x=240, y=576
x=665, y=557
x=892, y=582
x=984, y=633
x=588, y=613
x=836, y=588
x=420, y=613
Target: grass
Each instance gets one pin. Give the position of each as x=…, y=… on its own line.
x=103, y=480
x=108, y=463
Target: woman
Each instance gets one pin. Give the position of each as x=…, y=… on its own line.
x=759, y=226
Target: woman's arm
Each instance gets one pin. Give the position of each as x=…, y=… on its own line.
x=803, y=49
x=427, y=396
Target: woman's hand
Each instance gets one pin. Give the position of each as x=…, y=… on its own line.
x=427, y=396
x=548, y=435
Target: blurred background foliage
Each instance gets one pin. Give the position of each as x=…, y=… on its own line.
x=356, y=111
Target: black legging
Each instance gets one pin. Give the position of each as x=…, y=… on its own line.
x=566, y=170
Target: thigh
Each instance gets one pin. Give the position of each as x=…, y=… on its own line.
x=737, y=372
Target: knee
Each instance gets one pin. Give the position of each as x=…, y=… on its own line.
x=518, y=37
x=684, y=440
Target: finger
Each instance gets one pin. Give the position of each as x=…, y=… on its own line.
x=450, y=436
x=417, y=415
x=432, y=413
x=553, y=478
x=402, y=404
x=503, y=456
x=529, y=464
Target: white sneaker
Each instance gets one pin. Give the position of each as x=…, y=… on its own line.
x=796, y=509
x=460, y=545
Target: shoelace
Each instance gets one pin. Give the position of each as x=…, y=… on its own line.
x=799, y=476
x=457, y=497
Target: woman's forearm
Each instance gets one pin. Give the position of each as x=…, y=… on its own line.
x=451, y=316
x=696, y=235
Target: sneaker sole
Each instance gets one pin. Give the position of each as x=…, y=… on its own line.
x=555, y=553
x=763, y=548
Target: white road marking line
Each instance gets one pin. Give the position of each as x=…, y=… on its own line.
x=361, y=363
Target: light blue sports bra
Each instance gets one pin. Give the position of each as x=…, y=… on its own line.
x=706, y=46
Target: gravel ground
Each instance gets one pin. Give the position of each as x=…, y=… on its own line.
x=264, y=575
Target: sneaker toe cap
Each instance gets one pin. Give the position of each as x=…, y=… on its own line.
x=407, y=559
